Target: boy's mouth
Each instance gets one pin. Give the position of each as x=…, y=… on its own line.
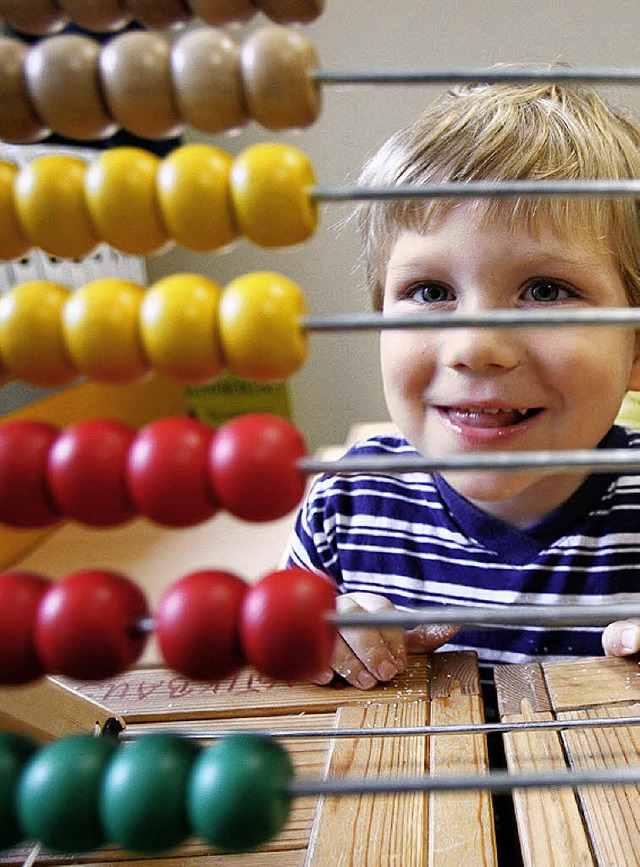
x=487, y=417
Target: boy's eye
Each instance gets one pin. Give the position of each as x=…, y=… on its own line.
x=547, y=291
x=429, y=293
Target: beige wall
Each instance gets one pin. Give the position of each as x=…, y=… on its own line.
x=340, y=384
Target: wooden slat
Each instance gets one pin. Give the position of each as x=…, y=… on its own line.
x=456, y=699
x=47, y=709
x=151, y=694
x=595, y=825
x=363, y=830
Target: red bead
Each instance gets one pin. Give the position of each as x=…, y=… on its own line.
x=20, y=595
x=24, y=498
x=87, y=472
x=167, y=472
x=253, y=464
x=196, y=624
x=86, y=625
x=284, y=629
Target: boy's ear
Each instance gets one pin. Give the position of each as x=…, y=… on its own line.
x=634, y=374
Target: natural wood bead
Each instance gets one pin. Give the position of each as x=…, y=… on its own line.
x=136, y=78
x=36, y=17
x=205, y=66
x=62, y=79
x=160, y=14
x=277, y=65
x=19, y=123
x=99, y=16
x=288, y=11
x=224, y=11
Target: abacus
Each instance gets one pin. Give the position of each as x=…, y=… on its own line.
x=267, y=194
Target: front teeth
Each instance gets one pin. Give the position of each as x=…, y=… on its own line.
x=496, y=411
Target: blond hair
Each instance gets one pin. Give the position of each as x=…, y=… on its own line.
x=510, y=132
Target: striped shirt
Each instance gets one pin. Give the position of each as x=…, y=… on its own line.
x=413, y=539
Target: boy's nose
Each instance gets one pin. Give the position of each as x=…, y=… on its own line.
x=480, y=350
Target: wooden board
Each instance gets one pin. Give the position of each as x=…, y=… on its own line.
x=593, y=825
x=369, y=830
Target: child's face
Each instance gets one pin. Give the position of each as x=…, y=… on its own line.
x=463, y=390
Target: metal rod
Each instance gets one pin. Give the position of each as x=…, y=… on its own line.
x=497, y=781
x=481, y=189
x=395, y=731
x=595, y=460
x=472, y=75
x=493, y=319
x=488, y=616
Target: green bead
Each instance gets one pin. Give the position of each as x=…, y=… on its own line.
x=144, y=793
x=58, y=793
x=237, y=795
x=15, y=752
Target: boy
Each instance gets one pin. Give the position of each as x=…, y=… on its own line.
x=493, y=538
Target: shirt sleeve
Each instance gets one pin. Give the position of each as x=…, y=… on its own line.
x=312, y=544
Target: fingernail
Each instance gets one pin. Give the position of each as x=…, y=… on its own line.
x=366, y=680
x=324, y=678
x=628, y=638
x=386, y=670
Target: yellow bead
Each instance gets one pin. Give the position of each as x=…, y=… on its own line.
x=260, y=328
x=195, y=197
x=121, y=194
x=13, y=241
x=49, y=198
x=101, y=329
x=31, y=340
x=179, y=328
x=270, y=188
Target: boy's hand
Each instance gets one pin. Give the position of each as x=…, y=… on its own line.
x=368, y=655
x=621, y=638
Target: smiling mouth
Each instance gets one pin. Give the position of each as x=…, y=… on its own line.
x=487, y=418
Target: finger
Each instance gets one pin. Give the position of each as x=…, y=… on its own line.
x=381, y=651
x=426, y=639
x=621, y=638
x=348, y=665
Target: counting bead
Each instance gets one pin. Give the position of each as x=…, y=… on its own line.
x=85, y=626
x=58, y=793
x=135, y=75
x=37, y=17
x=86, y=472
x=13, y=241
x=223, y=11
x=100, y=16
x=286, y=11
x=270, y=184
x=100, y=325
x=24, y=498
x=120, y=189
x=15, y=752
x=179, y=328
x=20, y=595
x=167, y=472
x=277, y=68
x=31, y=339
x=260, y=326
x=159, y=14
x=143, y=797
x=237, y=796
x=196, y=623
x=194, y=192
x=19, y=122
x=284, y=629
x=253, y=466
x=62, y=79
x=50, y=202
x=205, y=68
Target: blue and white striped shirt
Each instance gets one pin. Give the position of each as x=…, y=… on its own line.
x=413, y=539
